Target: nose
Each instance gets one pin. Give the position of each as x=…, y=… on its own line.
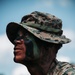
x=18, y=41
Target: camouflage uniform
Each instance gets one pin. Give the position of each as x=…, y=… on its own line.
x=62, y=68
x=48, y=28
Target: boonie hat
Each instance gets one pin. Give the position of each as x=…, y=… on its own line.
x=44, y=26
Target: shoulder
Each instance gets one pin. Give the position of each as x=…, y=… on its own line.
x=70, y=70
x=64, y=68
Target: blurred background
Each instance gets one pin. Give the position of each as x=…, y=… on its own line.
x=14, y=10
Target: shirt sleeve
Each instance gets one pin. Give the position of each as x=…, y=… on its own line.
x=69, y=71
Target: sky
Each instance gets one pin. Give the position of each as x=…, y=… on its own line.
x=14, y=10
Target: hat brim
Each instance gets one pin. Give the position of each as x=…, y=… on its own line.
x=12, y=29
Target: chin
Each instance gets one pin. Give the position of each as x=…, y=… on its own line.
x=18, y=60
x=22, y=60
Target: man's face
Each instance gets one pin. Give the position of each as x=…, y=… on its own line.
x=20, y=48
x=25, y=48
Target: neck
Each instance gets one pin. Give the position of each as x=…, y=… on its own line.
x=43, y=64
x=40, y=68
x=46, y=66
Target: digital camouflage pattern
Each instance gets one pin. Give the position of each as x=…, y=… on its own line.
x=62, y=68
x=44, y=26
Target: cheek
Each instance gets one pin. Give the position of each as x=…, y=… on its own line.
x=23, y=53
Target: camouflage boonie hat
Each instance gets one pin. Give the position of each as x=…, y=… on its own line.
x=44, y=26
